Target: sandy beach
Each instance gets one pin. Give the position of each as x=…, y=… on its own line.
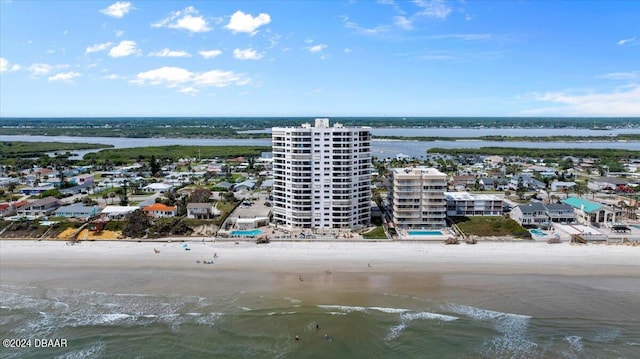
x=320, y=265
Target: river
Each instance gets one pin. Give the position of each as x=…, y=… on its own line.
x=380, y=148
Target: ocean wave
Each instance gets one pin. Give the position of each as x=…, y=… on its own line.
x=575, y=342
x=394, y=331
x=94, y=351
x=427, y=316
x=44, y=313
x=513, y=340
x=408, y=317
x=342, y=308
x=348, y=309
x=389, y=310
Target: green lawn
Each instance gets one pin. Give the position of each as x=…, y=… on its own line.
x=377, y=233
x=489, y=226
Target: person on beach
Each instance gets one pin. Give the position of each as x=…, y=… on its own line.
x=300, y=278
x=297, y=338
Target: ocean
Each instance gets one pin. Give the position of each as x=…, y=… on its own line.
x=401, y=315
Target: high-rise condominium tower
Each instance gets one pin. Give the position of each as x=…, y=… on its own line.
x=321, y=176
x=417, y=197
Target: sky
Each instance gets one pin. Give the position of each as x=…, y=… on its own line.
x=319, y=58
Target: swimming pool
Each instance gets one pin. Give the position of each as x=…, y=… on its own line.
x=634, y=226
x=253, y=232
x=538, y=232
x=424, y=233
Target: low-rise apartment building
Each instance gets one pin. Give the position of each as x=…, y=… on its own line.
x=471, y=204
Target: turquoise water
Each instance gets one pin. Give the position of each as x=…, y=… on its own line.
x=424, y=233
x=635, y=226
x=538, y=232
x=247, y=233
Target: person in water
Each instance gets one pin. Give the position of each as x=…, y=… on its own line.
x=328, y=338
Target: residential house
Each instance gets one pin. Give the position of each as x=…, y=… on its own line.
x=588, y=212
x=7, y=209
x=531, y=215
x=247, y=185
x=266, y=184
x=493, y=160
x=39, y=208
x=224, y=184
x=560, y=213
x=529, y=183
x=607, y=183
x=494, y=183
x=158, y=187
x=561, y=186
x=159, y=210
x=37, y=189
x=84, y=179
x=118, y=212
x=200, y=210
x=77, y=210
x=461, y=183
x=83, y=188
x=11, y=208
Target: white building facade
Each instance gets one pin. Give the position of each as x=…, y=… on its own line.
x=417, y=198
x=472, y=204
x=321, y=176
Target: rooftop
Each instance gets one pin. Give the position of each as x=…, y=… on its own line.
x=580, y=202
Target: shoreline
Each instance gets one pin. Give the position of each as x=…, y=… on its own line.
x=330, y=272
x=317, y=257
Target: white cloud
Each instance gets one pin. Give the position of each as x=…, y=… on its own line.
x=42, y=69
x=117, y=9
x=248, y=54
x=403, y=23
x=191, y=91
x=124, y=48
x=433, y=8
x=317, y=48
x=363, y=30
x=190, y=82
x=347, y=51
x=98, y=47
x=65, y=76
x=219, y=78
x=208, y=54
x=4, y=65
x=631, y=40
x=188, y=19
x=119, y=33
x=464, y=37
x=112, y=77
x=170, y=53
x=15, y=67
x=241, y=22
x=624, y=101
x=632, y=75
x=170, y=76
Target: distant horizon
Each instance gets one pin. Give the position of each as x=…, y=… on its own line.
x=342, y=58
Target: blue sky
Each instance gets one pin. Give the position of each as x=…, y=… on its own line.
x=320, y=58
